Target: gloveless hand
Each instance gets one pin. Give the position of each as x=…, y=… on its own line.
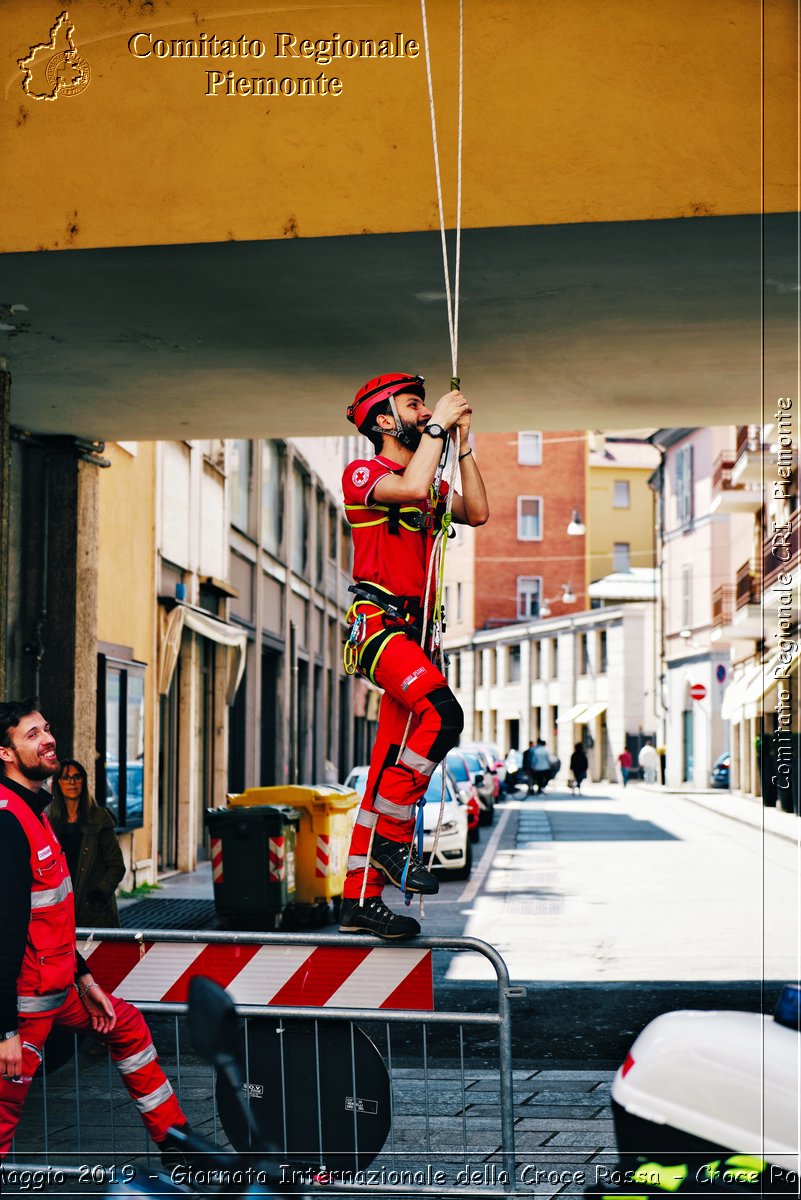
x=450, y=409
x=11, y=1056
x=98, y=1005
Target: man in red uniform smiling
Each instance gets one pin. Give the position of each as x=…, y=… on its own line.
x=394, y=513
x=44, y=981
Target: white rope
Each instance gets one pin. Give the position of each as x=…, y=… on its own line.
x=451, y=295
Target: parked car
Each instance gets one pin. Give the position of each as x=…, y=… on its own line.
x=454, y=850
x=494, y=755
x=479, y=769
x=489, y=764
x=457, y=766
x=720, y=771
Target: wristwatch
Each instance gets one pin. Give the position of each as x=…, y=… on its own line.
x=435, y=431
x=7, y=1036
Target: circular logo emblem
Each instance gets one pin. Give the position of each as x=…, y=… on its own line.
x=360, y=476
x=68, y=73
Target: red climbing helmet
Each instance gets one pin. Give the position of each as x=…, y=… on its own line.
x=382, y=388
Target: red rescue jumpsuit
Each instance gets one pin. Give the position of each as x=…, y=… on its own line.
x=47, y=995
x=392, y=551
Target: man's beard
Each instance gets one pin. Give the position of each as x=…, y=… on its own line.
x=410, y=434
x=37, y=772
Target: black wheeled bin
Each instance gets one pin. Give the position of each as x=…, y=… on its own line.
x=253, y=862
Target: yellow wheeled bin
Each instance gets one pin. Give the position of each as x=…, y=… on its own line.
x=327, y=815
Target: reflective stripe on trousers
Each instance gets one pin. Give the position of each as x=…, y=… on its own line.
x=126, y=1066
x=411, y=683
x=146, y=1104
x=45, y=1003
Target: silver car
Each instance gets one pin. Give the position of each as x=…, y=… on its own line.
x=454, y=852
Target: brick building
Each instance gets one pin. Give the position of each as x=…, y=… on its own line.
x=535, y=482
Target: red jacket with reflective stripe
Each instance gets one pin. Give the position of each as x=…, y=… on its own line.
x=49, y=961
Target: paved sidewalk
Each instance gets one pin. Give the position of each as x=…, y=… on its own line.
x=749, y=810
x=446, y=1128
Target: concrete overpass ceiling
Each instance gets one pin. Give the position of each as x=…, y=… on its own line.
x=197, y=264
x=602, y=325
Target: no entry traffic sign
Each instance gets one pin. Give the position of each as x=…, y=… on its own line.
x=697, y=691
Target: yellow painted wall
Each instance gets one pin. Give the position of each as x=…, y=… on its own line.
x=574, y=111
x=607, y=524
x=126, y=584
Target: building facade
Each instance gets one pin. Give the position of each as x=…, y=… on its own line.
x=524, y=556
x=585, y=678
x=178, y=607
x=700, y=542
x=759, y=605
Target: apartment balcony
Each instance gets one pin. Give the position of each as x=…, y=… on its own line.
x=723, y=607
x=780, y=556
x=747, y=619
x=728, y=497
x=749, y=457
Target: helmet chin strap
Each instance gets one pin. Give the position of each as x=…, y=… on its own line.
x=398, y=432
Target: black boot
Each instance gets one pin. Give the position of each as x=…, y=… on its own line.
x=173, y=1151
x=392, y=857
x=374, y=917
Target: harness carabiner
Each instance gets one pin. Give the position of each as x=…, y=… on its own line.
x=356, y=634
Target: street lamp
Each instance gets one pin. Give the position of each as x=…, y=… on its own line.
x=576, y=528
x=568, y=596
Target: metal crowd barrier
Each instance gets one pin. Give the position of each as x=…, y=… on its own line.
x=451, y=1121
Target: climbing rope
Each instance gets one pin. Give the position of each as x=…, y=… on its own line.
x=451, y=295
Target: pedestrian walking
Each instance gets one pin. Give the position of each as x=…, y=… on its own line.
x=528, y=768
x=579, y=765
x=625, y=762
x=513, y=764
x=541, y=759
x=86, y=834
x=395, y=504
x=648, y=760
x=44, y=981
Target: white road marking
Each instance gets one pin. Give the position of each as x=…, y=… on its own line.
x=479, y=875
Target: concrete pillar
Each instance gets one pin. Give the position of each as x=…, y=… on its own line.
x=5, y=505
x=68, y=666
x=57, y=618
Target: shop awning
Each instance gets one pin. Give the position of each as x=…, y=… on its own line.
x=184, y=616
x=732, y=700
x=756, y=681
x=769, y=675
x=572, y=714
x=591, y=712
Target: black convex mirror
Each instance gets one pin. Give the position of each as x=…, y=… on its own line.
x=213, y=1021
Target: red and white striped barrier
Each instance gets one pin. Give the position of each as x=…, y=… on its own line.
x=277, y=855
x=216, y=859
x=322, y=865
x=308, y=976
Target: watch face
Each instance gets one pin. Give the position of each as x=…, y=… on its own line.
x=435, y=431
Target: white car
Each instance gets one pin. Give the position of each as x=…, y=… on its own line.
x=454, y=851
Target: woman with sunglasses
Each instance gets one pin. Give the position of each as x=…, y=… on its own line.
x=86, y=833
